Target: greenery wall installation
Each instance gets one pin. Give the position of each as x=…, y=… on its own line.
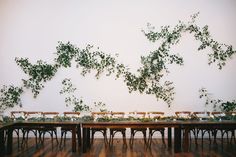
x=70, y=99
x=68, y=90
x=10, y=97
x=149, y=77
x=38, y=73
x=217, y=104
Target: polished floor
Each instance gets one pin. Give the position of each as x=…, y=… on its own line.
x=118, y=150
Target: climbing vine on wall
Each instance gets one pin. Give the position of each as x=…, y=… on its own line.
x=68, y=90
x=220, y=52
x=149, y=77
x=10, y=97
x=87, y=59
x=155, y=64
x=38, y=74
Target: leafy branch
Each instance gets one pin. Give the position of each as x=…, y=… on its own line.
x=10, y=97
x=220, y=52
x=70, y=99
x=38, y=74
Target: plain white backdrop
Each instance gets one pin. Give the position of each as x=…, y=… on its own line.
x=30, y=28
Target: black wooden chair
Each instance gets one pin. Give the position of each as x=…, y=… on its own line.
x=155, y=129
x=223, y=131
x=30, y=116
x=66, y=129
x=181, y=115
x=17, y=115
x=133, y=131
x=97, y=115
x=48, y=116
x=113, y=131
x=203, y=130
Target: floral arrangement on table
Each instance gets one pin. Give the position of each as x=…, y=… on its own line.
x=223, y=117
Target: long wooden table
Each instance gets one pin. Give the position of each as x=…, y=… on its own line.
x=87, y=126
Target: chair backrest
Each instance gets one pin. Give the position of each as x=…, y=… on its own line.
x=232, y=113
x=71, y=114
x=96, y=115
x=117, y=114
x=17, y=114
x=201, y=114
x=217, y=114
x=50, y=114
x=137, y=114
x=32, y=114
x=184, y=114
x=155, y=114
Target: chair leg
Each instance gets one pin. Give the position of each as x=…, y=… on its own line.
x=203, y=132
x=27, y=137
x=52, y=138
x=23, y=138
x=163, y=136
x=92, y=138
x=144, y=136
x=36, y=137
x=62, y=133
x=232, y=136
x=111, y=138
x=222, y=135
x=150, y=138
x=55, y=132
x=40, y=137
x=65, y=138
x=131, y=137
x=79, y=136
x=18, y=138
x=227, y=136
x=214, y=133
x=124, y=138
x=209, y=136
x=105, y=137
x=43, y=137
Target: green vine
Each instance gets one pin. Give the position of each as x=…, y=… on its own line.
x=204, y=94
x=149, y=77
x=38, y=73
x=220, y=52
x=101, y=106
x=155, y=64
x=87, y=59
x=68, y=90
x=217, y=104
x=10, y=97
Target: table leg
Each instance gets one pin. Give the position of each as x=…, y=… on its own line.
x=74, y=138
x=177, y=139
x=169, y=137
x=84, y=144
x=2, y=145
x=88, y=138
x=186, y=140
x=9, y=140
x=79, y=134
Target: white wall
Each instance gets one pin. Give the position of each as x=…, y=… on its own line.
x=30, y=28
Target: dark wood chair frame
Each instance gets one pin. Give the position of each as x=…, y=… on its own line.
x=65, y=129
x=155, y=129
